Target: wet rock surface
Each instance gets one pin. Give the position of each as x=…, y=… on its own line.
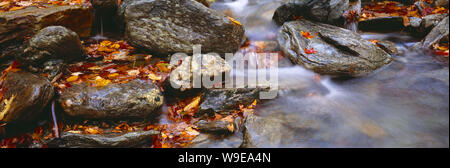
x=420, y=27
x=382, y=24
x=276, y=131
x=135, y=99
x=439, y=33
x=165, y=27
x=225, y=101
x=217, y=126
x=206, y=66
x=113, y=140
x=325, y=11
x=51, y=43
x=339, y=52
x=25, y=97
x=18, y=24
x=388, y=46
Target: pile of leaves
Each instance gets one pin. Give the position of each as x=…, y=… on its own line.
x=25, y=140
x=182, y=130
x=111, y=71
x=392, y=8
x=12, y=5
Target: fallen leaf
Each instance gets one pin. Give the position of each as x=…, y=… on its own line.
x=306, y=35
x=310, y=51
x=72, y=78
x=234, y=21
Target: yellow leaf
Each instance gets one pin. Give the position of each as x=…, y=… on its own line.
x=234, y=21
x=6, y=107
x=113, y=75
x=16, y=8
x=105, y=43
x=72, y=79
x=194, y=104
x=100, y=82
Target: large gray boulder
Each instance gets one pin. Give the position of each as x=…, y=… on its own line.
x=169, y=26
x=338, y=52
x=438, y=34
x=25, y=96
x=135, y=99
x=325, y=11
x=51, y=43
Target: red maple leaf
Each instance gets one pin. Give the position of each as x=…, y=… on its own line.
x=310, y=51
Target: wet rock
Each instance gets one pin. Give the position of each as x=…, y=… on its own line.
x=388, y=46
x=429, y=22
x=53, y=42
x=122, y=140
x=382, y=24
x=325, y=11
x=53, y=68
x=217, y=141
x=17, y=25
x=134, y=99
x=164, y=27
x=7, y=53
x=206, y=66
x=276, y=131
x=339, y=52
x=25, y=97
x=421, y=27
x=439, y=33
x=225, y=101
x=217, y=126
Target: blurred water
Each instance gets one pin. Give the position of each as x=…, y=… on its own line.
x=405, y=104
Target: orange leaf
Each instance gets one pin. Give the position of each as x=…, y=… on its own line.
x=306, y=35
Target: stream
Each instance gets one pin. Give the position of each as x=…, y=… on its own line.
x=404, y=104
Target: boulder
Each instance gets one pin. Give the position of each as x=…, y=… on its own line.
x=438, y=34
x=25, y=96
x=206, y=66
x=17, y=25
x=333, y=51
x=169, y=26
x=225, y=101
x=50, y=43
x=112, y=140
x=216, y=127
x=135, y=99
x=388, y=46
x=276, y=131
x=325, y=11
x=429, y=22
x=382, y=24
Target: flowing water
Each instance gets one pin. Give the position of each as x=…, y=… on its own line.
x=404, y=104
